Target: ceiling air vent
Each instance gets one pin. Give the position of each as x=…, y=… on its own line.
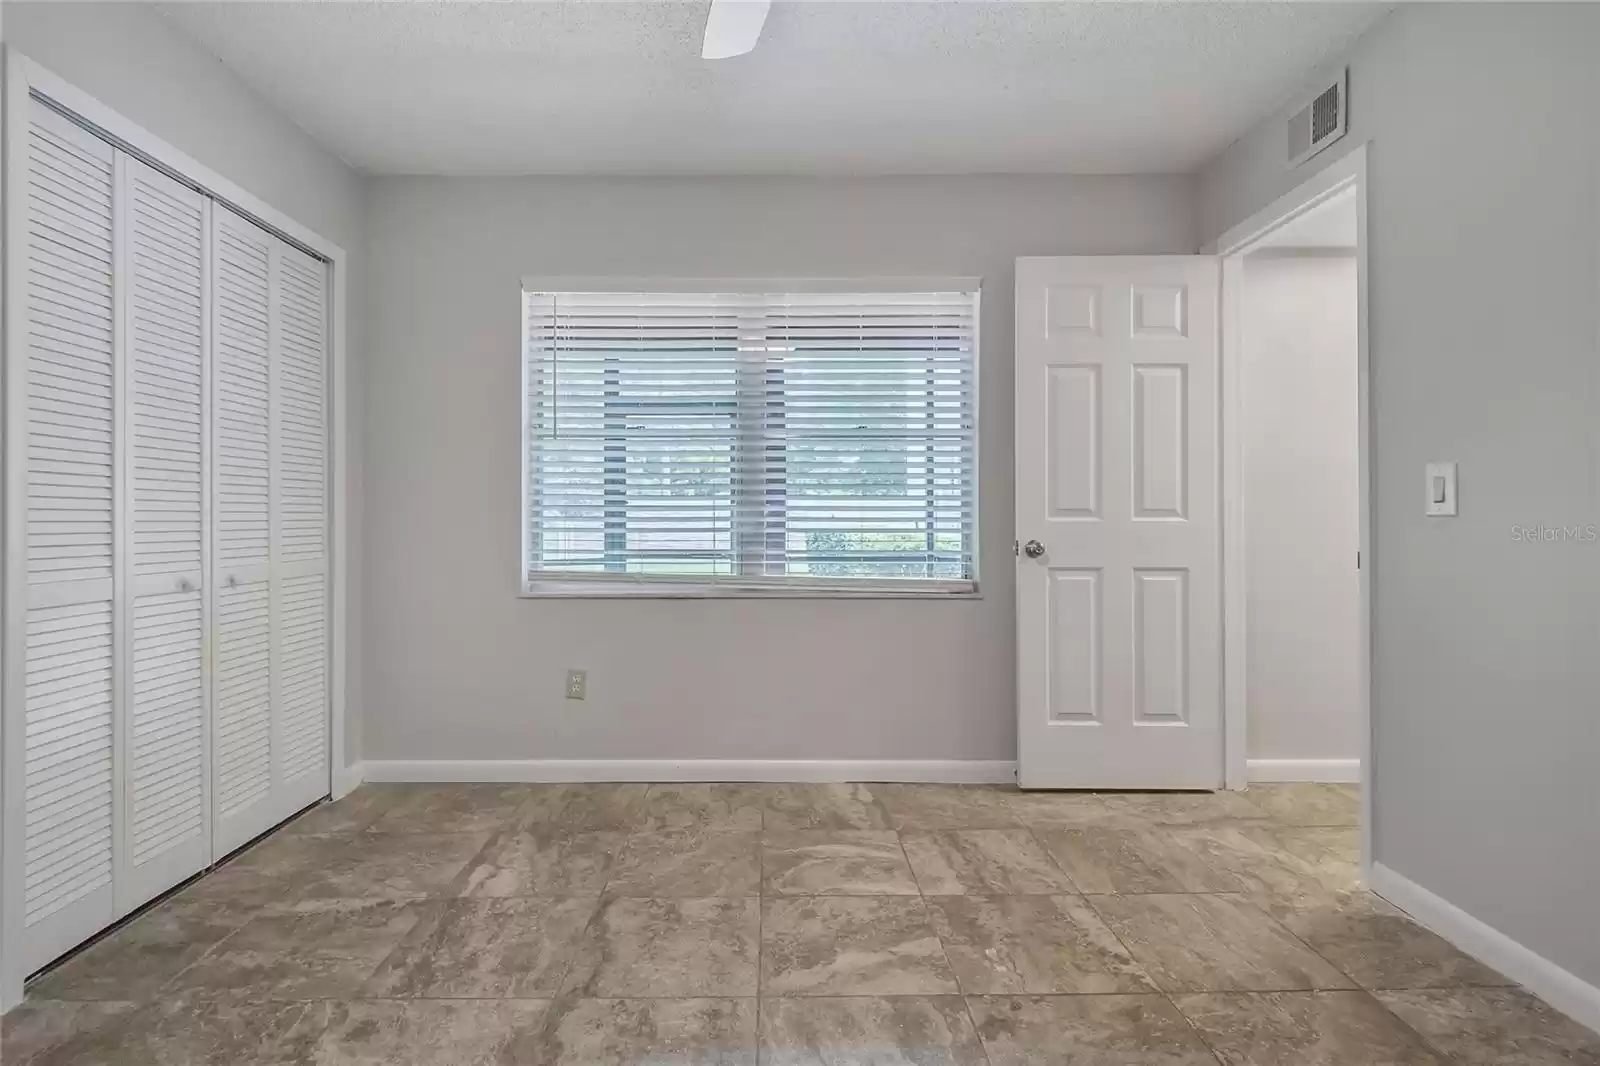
x=1320, y=122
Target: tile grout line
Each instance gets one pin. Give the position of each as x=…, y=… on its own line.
x=1160, y=989
x=927, y=915
x=761, y=922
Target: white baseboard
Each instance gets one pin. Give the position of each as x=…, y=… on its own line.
x=1332, y=771
x=947, y=771
x=347, y=779
x=1566, y=992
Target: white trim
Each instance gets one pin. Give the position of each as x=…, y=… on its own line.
x=347, y=779
x=1346, y=172
x=941, y=771
x=593, y=283
x=1331, y=771
x=23, y=77
x=1563, y=990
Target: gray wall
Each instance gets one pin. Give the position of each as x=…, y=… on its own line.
x=1484, y=227
x=1301, y=496
x=128, y=57
x=460, y=668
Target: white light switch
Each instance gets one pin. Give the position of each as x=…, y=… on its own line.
x=1441, y=498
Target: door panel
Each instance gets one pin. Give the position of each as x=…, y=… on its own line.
x=300, y=531
x=1119, y=647
x=242, y=744
x=162, y=273
x=71, y=385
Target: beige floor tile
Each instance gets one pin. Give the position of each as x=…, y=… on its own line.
x=185, y=1031
x=688, y=862
x=1495, y=1027
x=541, y=861
x=134, y=962
x=682, y=948
x=825, y=806
x=1082, y=810
x=41, y=1025
x=718, y=807
x=1068, y=810
x=390, y=866
x=1086, y=1031
x=1306, y=1029
x=983, y=861
x=843, y=945
x=313, y=949
x=1380, y=946
x=1327, y=855
x=380, y=1032
x=669, y=1032
x=1001, y=945
x=1254, y=862
x=269, y=871
x=1197, y=943
x=949, y=806
x=353, y=814
x=1132, y=861
x=586, y=806
x=868, y=1031
x=455, y=808
x=1309, y=804
x=836, y=862
x=485, y=949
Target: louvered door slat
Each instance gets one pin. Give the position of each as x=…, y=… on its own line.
x=164, y=270
x=241, y=434
x=67, y=468
x=300, y=527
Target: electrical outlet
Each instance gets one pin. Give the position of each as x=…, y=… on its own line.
x=577, y=684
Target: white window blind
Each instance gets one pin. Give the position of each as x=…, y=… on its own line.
x=785, y=440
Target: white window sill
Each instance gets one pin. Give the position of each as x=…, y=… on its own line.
x=643, y=590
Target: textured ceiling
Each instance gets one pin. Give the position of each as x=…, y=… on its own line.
x=591, y=87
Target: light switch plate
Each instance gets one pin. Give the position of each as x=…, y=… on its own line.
x=1440, y=490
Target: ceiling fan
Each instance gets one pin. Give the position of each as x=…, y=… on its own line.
x=733, y=27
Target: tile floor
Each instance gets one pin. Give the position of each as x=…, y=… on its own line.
x=847, y=925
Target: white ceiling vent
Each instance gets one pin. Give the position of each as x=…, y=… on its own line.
x=1320, y=122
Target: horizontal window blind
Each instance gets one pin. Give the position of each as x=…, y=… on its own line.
x=792, y=440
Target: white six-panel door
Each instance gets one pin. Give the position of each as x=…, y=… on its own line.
x=1119, y=567
x=167, y=561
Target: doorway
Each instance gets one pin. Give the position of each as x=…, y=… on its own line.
x=1296, y=537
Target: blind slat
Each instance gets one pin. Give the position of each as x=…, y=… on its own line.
x=783, y=440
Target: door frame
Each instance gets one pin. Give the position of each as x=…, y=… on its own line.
x=25, y=79
x=1337, y=178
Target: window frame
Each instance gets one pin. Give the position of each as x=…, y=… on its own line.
x=615, y=586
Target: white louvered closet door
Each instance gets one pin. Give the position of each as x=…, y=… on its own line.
x=300, y=631
x=241, y=460
x=70, y=386
x=163, y=272
x=270, y=485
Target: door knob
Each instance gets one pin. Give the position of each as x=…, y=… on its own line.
x=1033, y=549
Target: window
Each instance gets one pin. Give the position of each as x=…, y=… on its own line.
x=774, y=436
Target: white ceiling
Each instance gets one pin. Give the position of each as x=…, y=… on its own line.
x=591, y=87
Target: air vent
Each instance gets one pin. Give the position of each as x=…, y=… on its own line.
x=1319, y=123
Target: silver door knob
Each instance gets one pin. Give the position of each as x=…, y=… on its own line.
x=1033, y=549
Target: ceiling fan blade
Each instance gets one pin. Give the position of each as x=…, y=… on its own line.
x=733, y=27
